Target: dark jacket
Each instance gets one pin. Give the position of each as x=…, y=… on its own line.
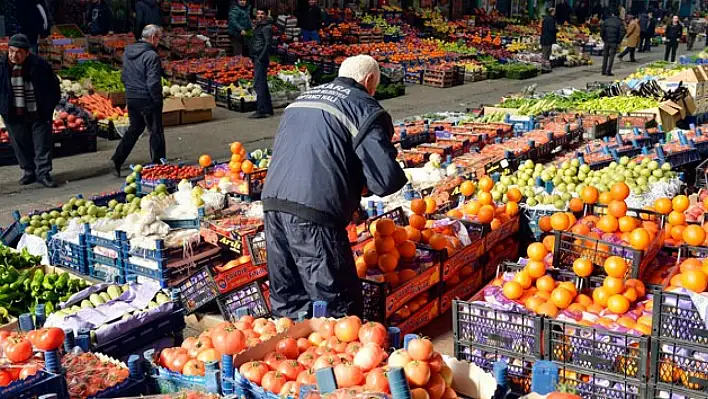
x=261, y=40
x=673, y=32
x=30, y=20
x=142, y=73
x=696, y=26
x=239, y=19
x=147, y=13
x=548, y=30
x=612, y=30
x=333, y=142
x=310, y=18
x=45, y=82
x=644, y=23
x=99, y=18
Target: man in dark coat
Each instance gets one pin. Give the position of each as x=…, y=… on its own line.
x=696, y=26
x=142, y=77
x=563, y=12
x=99, y=17
x=32, y=20
x=548, y=34
x=612, y=33
x=29, y=91
x=673, y=33
x=333, y=144
x=147, y=12
x=260, y=54
x=647, y=25
x=310, y=20
x=239, y=25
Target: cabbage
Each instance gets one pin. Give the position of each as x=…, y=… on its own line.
x=166, y=91
x=76, y=88
x=66, y=83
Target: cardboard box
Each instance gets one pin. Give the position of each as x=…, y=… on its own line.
x=667, y=114
x=117, y=97
x=689, y=105
x=198, y=109
x=199, y=116
x=172, y=111
x=497, y=110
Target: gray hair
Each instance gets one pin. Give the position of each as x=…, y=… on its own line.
x=359, y=67
x=150, y=31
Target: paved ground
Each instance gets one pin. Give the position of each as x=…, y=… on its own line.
x=89, y=173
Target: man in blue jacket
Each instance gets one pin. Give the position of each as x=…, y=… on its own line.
x=29, y=91
x=239, y=25
x=333, y=144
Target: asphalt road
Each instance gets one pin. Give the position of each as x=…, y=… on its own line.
x=89, y=174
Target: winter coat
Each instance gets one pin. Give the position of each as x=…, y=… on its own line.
x=548, y=30
x=147, y=12
x=633, y=34
x=310, y=18
x=239, y=19
x=697, y=25
x=644, y=23
x=612, y=30
x=142, y=73
x=99, y=18
x=261, y=40
x=673, y=33
x=333, y=142
x=45, y=82
x=30, y=20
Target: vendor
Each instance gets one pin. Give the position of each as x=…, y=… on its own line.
x=310, y=19
x=98, y=17
x=239, y=25
x=333, y=143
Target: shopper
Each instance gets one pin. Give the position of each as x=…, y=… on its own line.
x=672, y=35
x=310, y=19
x=612, y=33
x=32, y=20
x=647, y=25
x=695, y=27
x=333, y=144
x=29, y=91
x=632, y=39
x=260, y=54
x=98, y=17
x=239, y=25
x=142, y=74
x=548, y=34
x=147, y=12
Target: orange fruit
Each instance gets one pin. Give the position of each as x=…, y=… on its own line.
x=617, y=304
x=418, y=206
x=485, y=184
x=694, y=280
x=583, y=300
x=575, y=307
x=495, y=224
x=385, y=227
x=637, y=285
x=399, y=235
x=631, y=294
x=548, y=309
x=582, y=267
x=600, y=296
x=407, y=250
x=236, y=147
x=570, y=286
x=613, y=285
x=544, y=223
x=236, y=157
x=676, y=280
x=472, y=207
x=205, y=160
x=619, y=191
x=690, y=264
x=514, y=194
x=522, y=277
x=485, y=214
x=535, y=268
x=617, y=208
x=235, y=166
x=561, y=297
x=639, y=238
x=680, y=203
x=545, y=283
x=676, y=218
x=589, y=195
x=406, y=275
x=467, y=188
x=560, y=221
x=371, y=258
x=425, y=235
x=605, y=198
x=430, y=205
x=361, y=267
x=413, y=233
x=485, y=198
x=384, y=245
x=417, y=221
x=626, y=223
x=694, y=235
x=387, y=262
x=608, y=224
x=437, y=241
x=536, y=251
x=545, y=295
x=677, y=232
x=663, y=205
x=594, y=308
x=393, y=279
x=533, y=302
x=455, y=214
x=512, y=289
x=549, y=242
x=580, y=228
x=512, y=208
x=575, y=205
x=247, y=167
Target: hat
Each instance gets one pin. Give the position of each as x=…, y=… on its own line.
x=20, y=41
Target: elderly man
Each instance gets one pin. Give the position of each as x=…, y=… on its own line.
x=142, y=74
x=29, y=91
x=332, y=145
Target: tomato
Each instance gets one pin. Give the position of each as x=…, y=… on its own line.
x=307, y=359
x=326, y=329
x=166, y=356
x=326, y=361
x=263, y=326
x=446, y=374
x=5, y=378
x=283, y=324
x=290, y=369
x=352, y=348
x=251, y=342
x=436, y=386
x=348, y=375
x=303, y=344
x=288, y=347
x=199, y=346
x=194, y=367
x=253, y=371
x=274, y=359
x=315, y=339
x=291, y=389
x=420, y=349
x=307, y=377
x=347, y=328
x=28, y=371
x=373, y=332
x=17, y=349
x=188, y=343
x=337, y=345
x=247, y=319
x=208, y=355
x=228, y=340
x=273, y=381
x=417, y=373
x=435, y=362
x=369, y=357
x=399, y=358
x=377, y=381
x=178, y=362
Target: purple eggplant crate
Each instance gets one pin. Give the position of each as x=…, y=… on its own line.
x=249, y=296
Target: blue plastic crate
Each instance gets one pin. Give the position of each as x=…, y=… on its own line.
x=69, y=255
x=168, y=381
x=98, y=272
x=11, y=235
x=41, y=383
x=187, y=223
x=118, y=243
x=117, y=263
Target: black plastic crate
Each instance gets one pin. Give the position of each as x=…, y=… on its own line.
x=702, y=175
x=250, y=297
x=518, y=370
x=679, y=365
x=600, y=385
x=623, y=355
x=257, y=248
x=197, y=290
x=398, y=215
x=662, y=391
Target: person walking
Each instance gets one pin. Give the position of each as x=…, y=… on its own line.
x=29, y=91
x=260, y=54
x=696, y=26
x=98, y=17
x=612, y=33
x=647, y=25
x=672, y=35
x=32, y=21
x=632, y=36
x=315, y=184
x=239, y=25
x=549, y=30
x=142, y=78
x=311, y=22
x=147, y=12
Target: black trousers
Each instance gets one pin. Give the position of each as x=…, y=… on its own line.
x=630, y=51
x=671, y=48
x=309, y=262
x=32, y=143
x=260, y=84
x=690, y=41
x=608, y=57
x=142, y=114
x=644, y=42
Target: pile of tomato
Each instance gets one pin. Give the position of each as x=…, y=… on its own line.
x=88, y=374
x=19, y=349
x=170, y=172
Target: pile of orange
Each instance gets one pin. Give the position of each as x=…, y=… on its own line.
x=237, y=165
x=420, y=229
x=389, y=245
x=677, y=230
x=482, y=208
x=692, y=275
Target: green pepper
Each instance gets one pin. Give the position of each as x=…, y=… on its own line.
x=61, y=282
x=48, y=308
x=49, y=296
x=18, y=283
x=9, y=296
x=65, y=297
x=26, y=284
x=37, y=280
x=47, y=283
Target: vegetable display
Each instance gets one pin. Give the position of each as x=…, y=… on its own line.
x=87, y=374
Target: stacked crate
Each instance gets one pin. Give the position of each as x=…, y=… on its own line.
x=106, y=256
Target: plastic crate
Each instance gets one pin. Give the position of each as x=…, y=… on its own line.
x=167, y=381
x=69, y=255
x=661, y=391
x=518, y=370
x=197, y=290
x=600, y=385
x=679, y=365
x=186, y=223
x=595, y=349
x=250, y=297
x=533, y=216
x=41, y=383
x=675, y=316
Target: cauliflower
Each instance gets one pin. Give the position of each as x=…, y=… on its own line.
x=196, y=91
x=66, y=83
x=190, y=86
x=166, y=91
x=174, y=89
x=76, y=88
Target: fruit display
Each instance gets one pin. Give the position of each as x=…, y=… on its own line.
x=18, y=348
x=69, y=117
x=88, y=374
